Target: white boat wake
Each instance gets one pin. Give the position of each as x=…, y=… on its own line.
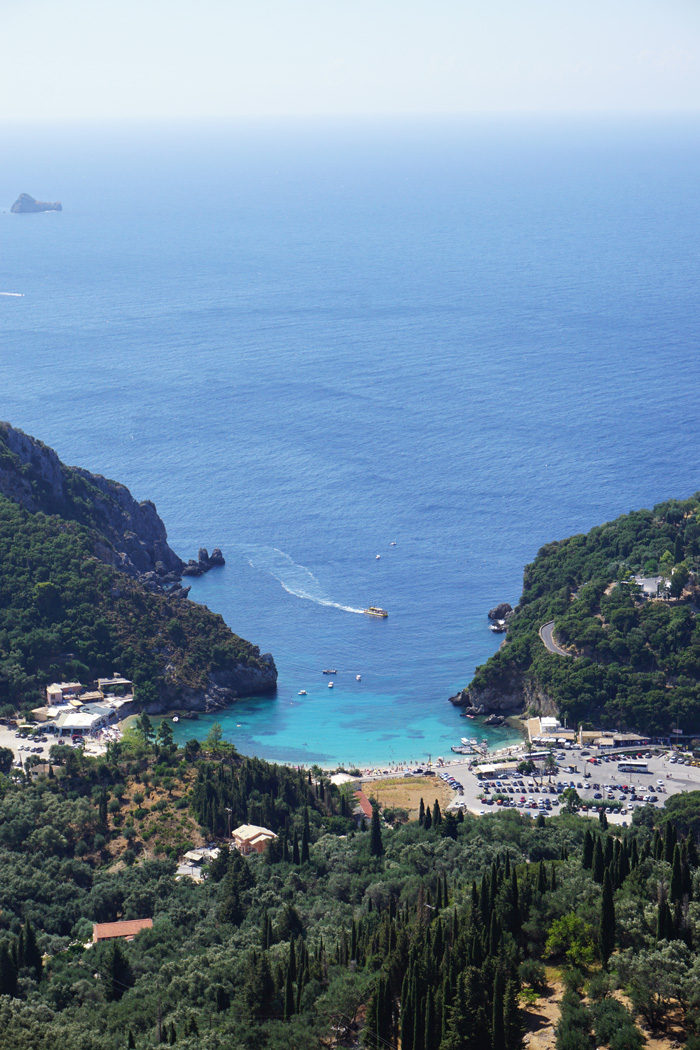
x=14, y=295
x=295, y=579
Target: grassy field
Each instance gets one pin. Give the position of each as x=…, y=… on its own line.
x=406, y=793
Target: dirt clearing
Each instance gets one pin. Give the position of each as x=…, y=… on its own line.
x=406, y=793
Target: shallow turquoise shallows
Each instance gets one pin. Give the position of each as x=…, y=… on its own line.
x=308, y=341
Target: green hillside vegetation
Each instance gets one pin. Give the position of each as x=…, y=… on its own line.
x=64, y=614
x=639, y=661
x=442, y=933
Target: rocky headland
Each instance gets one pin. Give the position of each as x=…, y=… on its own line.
x=178, y=653
x=26, y=204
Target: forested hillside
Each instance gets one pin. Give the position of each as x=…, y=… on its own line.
x=443, y=936
x=636, y=663
x=66, y=615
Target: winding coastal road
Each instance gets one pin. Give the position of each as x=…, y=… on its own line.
x=547, y=637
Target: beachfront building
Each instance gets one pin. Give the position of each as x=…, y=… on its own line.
x=107, y=686
x=249, y=838
x=60, y=692
x=125, y=930
x=88, y=719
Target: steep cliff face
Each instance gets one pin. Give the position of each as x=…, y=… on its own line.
x=132, y=538
x=512, y=692
x=222, y=688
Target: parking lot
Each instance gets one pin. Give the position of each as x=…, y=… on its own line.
x=596, y=782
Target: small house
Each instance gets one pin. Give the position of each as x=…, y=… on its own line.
x=249, y=838
x=125, y=930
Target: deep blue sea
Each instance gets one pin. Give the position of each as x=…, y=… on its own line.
x=307, y=340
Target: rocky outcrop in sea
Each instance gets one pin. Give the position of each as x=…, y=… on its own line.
x=204, y=562
x=25, y=204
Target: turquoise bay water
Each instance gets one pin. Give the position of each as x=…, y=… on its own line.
x=305, y=341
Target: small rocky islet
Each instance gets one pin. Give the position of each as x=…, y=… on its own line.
x=26, y=204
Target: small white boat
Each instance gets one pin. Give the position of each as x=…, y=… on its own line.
x=393, y=543
x=358, y=677
x=176, y=718
x=378, y=557
x=302, y=692
x=330, y=685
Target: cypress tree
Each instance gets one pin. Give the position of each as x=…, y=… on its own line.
x=542, y=878
x=664, y=922
x=8, y=971
x=602, y=818
x=693, y=858
x=494, y=936
x=554, y=877
x=608, y=851
x=421, y=812
x=427, y=820
x=484, y=901
x=292, y=961
x=131, y=1042
x=288, y=995
x=511, y=1025
x=634, y=855
x=437, y=815
x=587, y=854
x=498, y=1036
x=376, y=846
x=407, y=1013
x=296, y=859
x=676, y=890
x=429, y=1036
x=32, y=955
x=305, y=845
x=173, y=1034
x=460, y=816
x=607, y=920
x=624, y=865
x=657, y=845
x=493, y=888
x=438, y=897
x=598, y=864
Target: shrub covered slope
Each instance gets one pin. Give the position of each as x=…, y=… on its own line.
x=636, y=662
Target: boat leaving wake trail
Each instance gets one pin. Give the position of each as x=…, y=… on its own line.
x=14, y=295
x=295, y=579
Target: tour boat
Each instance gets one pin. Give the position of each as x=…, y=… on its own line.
x=375, y=611
x=329, y=670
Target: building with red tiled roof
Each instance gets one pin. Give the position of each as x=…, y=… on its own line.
x=363, y=809
x=127, y=929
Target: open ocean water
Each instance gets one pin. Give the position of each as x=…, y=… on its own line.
x=306, y=340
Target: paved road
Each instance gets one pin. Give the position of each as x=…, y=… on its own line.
x=546, y=636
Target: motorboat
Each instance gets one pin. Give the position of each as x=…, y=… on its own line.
x=329, y=670
x=374, y=610
x=358, y=677
x=330, y=685
x=302, y=692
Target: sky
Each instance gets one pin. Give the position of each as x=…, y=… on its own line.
x=99, y=59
